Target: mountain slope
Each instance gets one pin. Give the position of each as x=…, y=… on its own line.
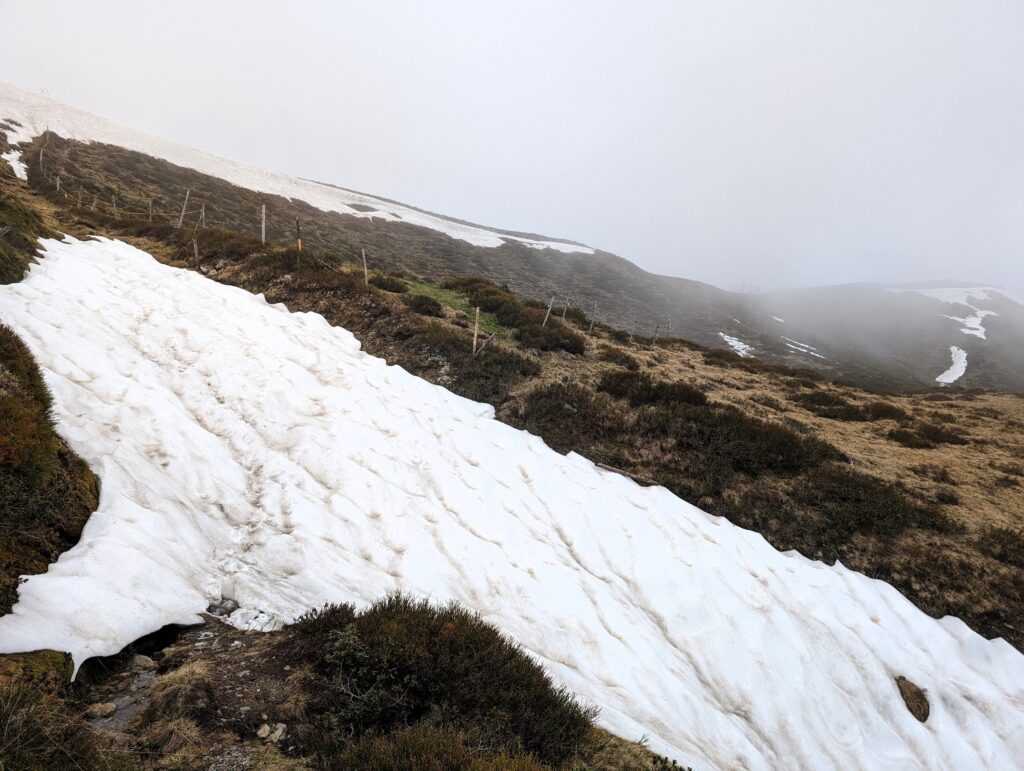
x=253, y=453
x=908, y=352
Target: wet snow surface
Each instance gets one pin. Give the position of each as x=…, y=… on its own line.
x=36, y=114
x=13, y=158
x=256, y=453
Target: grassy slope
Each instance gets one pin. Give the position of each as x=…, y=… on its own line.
x=46, y=492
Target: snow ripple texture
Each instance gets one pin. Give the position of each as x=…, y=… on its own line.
x=250, y=451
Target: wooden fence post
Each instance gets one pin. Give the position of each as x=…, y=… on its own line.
x=95, y=198
x=195, y=248
x=114, y=199
x=545, y=323
x=654, y=340
x=366, y=272
x=566, y=308
x=150, y=209
x=58, y=183
x=593, y=317
x=298, y=235
x=81, y=192
x=263, y=225
x=202, y=216
x=476, y=329
x=181, y=219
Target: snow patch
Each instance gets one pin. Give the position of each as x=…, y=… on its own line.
x=249, y=451
x=781, y=321
x=796, y=345
x=36, y=113
x=956, y=369
x=972, y=324
x=13, y=157
x=737, y=345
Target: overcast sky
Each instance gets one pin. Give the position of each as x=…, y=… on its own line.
x=742, y=143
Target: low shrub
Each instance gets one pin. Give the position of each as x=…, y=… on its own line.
x=618, y=356
x=1005, y=544
x=879, y=410
x=554, y=337
x=939, y=435
x=424, y=305
x=388, y=283
x=403, y=662
x=640, y=389
x=910, y=439
x=570, y=417
x=850, y=502
x=746, y=444
x=826, y=404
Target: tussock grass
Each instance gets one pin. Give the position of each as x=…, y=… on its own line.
x=41, y=731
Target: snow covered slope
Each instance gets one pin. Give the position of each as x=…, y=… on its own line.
x=36, y=114
x=256, y=453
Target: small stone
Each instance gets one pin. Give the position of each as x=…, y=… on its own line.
x=243, y=710
x=97, y=711
x=143, y=662
x=263, y=732
x=287, y=667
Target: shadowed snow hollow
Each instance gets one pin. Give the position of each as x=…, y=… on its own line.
x=249, y=451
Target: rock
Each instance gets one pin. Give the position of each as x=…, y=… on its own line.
x=143, y=662
x=263, y=731
x=279, y=732
x=243, y=710
x=97, y=711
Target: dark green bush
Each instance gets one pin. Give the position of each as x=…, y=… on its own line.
x=618, y=356
x=424, y=305
x=388, y=283
x=939, y=434
x=879, y=410
x=910, y=439
x=554, y=337
x=641, y=389
x=849, y=502
x=570, y=417
x=746, y=444
x=826, y=404
x=402, y=662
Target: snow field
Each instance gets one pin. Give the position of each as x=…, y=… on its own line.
x=249, y=451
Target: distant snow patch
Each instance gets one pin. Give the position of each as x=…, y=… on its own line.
x=737, y=345
x=781, y=321
x=972, y=324
x=799, y=347
x=957, y=369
